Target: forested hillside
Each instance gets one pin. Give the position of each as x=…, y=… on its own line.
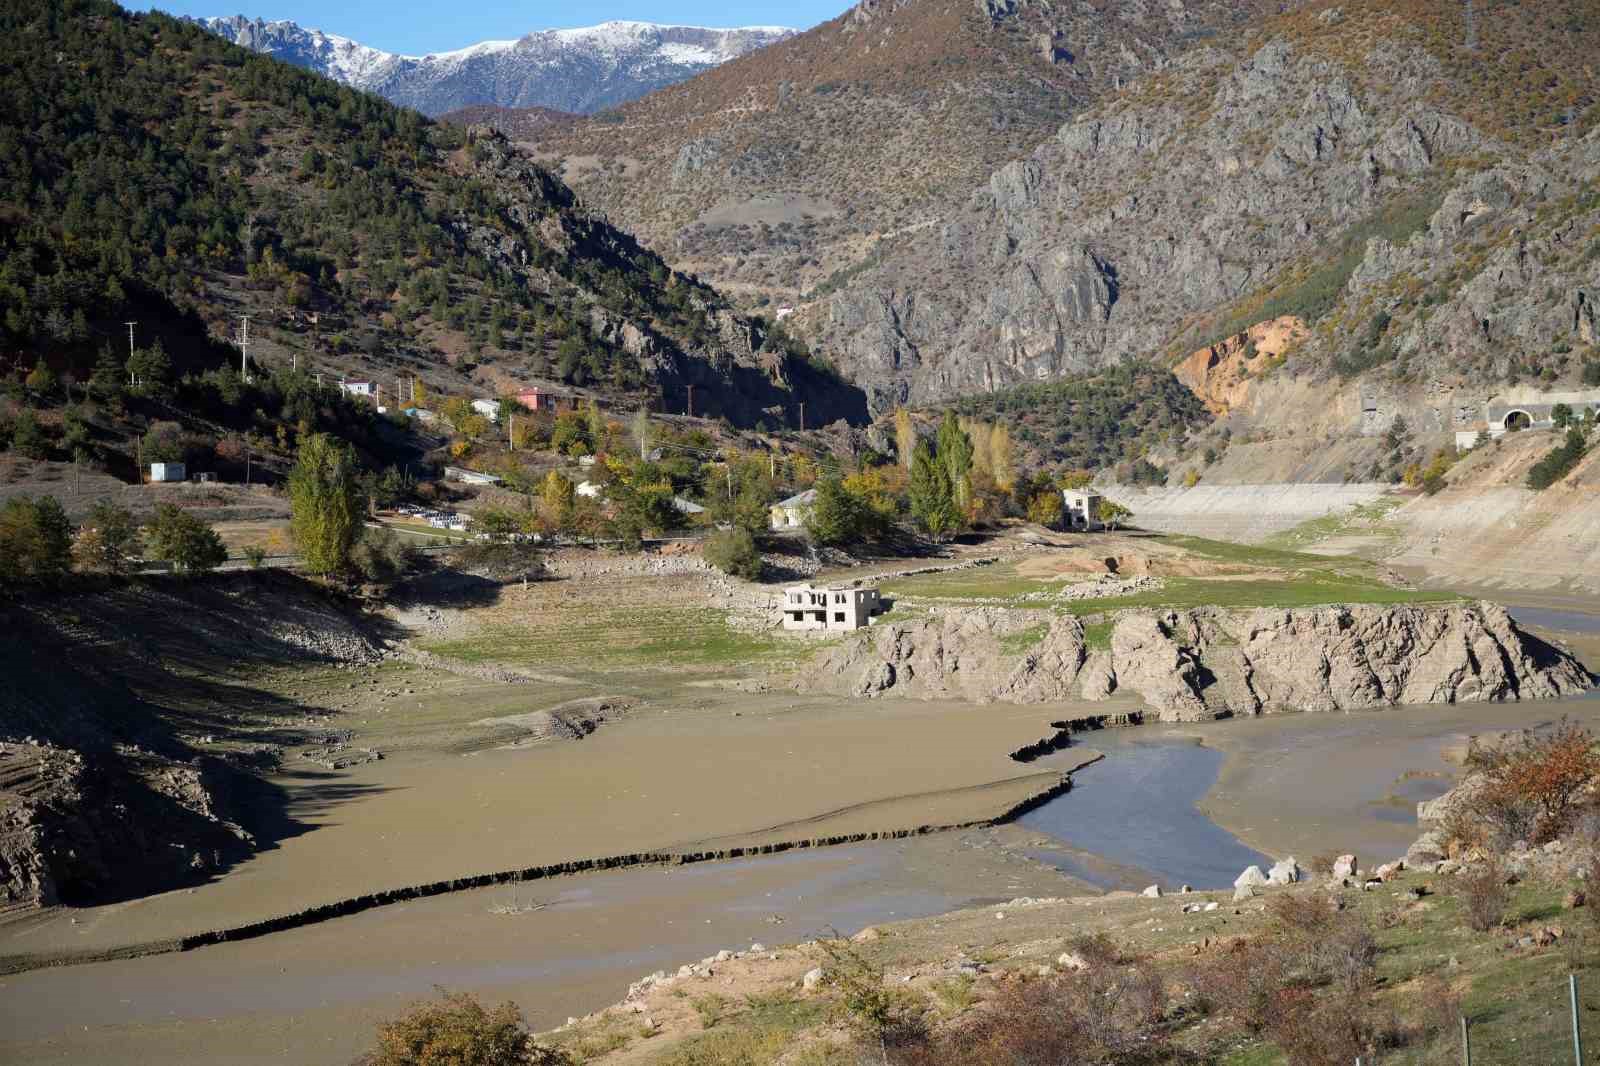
x=150, y=172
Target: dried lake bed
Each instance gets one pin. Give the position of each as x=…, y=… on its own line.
x=714, y=765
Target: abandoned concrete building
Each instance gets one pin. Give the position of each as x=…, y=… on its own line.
x=812, y=607
x=1080, y=510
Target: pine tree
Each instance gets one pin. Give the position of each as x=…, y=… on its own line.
x=105, y=381
x=325, y=502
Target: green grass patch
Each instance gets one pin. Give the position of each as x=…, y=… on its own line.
x=998, y=582
x=1019, y=642
x=625, y=637
x=1097, y=635
x=759, y=1034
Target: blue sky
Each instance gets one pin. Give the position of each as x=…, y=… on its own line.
x=416, y=27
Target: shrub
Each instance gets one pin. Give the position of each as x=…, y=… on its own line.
x=255, y=555
x=1533, y=782
x=1484, y=895
x=1558, y=462
x=380, y=555
x=35, y=540
x=1098, y=1015
x=109, y=539
x=458, y=1031
x=185, y=541
x=733, y=551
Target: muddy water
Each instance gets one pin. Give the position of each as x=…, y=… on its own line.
x=1350, y=782
x=1132, y=820
x=560, y=948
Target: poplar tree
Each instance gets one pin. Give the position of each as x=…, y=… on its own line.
x=933, y=504
x=325, y=502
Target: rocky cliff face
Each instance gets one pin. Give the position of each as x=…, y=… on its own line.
x=1369, y=188
x=583, y=69
x=782, y=171
x=1209, y=663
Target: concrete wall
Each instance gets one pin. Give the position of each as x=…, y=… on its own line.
x=1244, y=513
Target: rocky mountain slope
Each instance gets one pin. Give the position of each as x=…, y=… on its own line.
x=1418, y=183
x=582, y=69
x=1209, y=663
x=786, y=171
x=188, y=182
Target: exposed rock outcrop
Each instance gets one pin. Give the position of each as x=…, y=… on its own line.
x=1208, y=663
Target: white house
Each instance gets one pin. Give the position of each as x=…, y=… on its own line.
x=167, y=472
x=366, y=390
x=587, y=488
x=793, y=512
x=808, y=607
x=489, y=409
x=1081, y=510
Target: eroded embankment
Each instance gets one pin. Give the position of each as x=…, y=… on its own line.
x=19, y=963
x=101, y=795
x=1207, y=663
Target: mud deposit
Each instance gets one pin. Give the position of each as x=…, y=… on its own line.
x=559, y=948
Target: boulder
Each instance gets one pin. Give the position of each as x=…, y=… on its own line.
x=1244, y=892
x=1070, y=960
x=1252, y=877
x=1152, y=892
x=812, y=979
x=1344, y=867
x=1286, y=872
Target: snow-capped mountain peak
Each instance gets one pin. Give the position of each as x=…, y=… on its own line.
x=584, y=68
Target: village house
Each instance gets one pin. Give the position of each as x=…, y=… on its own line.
x=167, y=472
x=807, y=607
x=1081, y=510
x=366, y=390
x=536, y=399
x=489, y=409
x=793, y=512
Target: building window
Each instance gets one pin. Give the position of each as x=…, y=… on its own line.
x=838, y=616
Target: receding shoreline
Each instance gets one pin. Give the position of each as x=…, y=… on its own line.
x=1059, y=784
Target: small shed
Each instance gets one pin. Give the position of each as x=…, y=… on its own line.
x=793, y=512
x=168, y=472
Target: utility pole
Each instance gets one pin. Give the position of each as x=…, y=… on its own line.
x=511, y=432
x=802, y=416
x=247, y=462
x=690, y=410
x=244, y=347
x=130, y=326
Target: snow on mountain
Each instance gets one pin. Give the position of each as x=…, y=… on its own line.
x=584, y=69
